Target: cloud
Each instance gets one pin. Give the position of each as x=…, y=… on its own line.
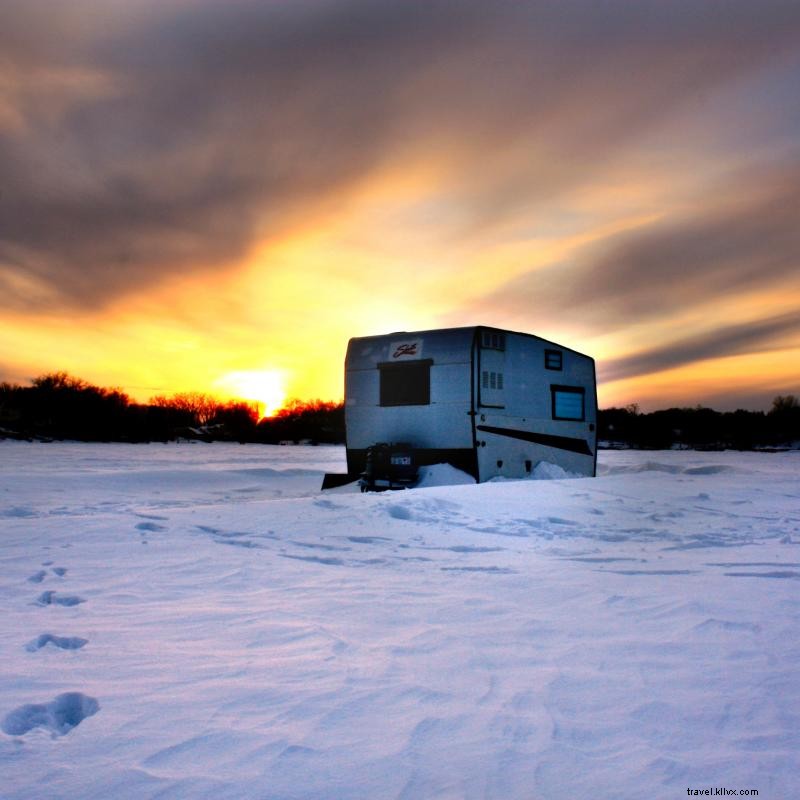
x=740, y=237
x=744, y=239
x=144, y=140
x=751, y=337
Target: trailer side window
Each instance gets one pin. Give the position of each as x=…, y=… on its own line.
x=553, y=359
x=493, y=340
x=569, y=402
x=405, y=384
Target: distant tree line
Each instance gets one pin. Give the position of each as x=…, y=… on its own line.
x=60, y=406
x=702, y=428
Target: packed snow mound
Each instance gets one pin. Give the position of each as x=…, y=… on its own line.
x=442, y=475
x=543, y=471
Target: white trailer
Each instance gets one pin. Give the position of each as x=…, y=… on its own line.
x=490, y=402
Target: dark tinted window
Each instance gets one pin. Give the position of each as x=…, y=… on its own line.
x=407, y=384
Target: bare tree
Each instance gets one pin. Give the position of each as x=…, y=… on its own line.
x=783, y=403
x=202, y=407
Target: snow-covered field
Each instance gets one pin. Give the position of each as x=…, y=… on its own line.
x=198, y=621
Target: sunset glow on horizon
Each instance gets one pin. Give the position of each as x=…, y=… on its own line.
x=264, y=387
x=216, y=197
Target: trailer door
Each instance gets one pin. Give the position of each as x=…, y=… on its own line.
x=491, y=369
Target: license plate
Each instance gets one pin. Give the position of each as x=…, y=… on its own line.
x=401, y=461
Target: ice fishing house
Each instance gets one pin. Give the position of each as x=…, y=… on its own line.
x=490, y=402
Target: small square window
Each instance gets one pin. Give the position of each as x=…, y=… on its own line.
x=499, y=380
x=553, y=359
x=485, y=380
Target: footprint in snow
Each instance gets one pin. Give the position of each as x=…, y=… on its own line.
x=62, y=642
x=59, y=716
x=151, y=527
x=39, y=576
x=50, y=598
x=399, y=512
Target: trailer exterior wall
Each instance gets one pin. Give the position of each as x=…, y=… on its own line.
x=517, y=426
x=493, y=403
x=439, y=430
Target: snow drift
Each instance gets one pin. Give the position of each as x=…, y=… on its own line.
x=229, y=632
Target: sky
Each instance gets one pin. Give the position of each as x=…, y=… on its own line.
x=210, y=196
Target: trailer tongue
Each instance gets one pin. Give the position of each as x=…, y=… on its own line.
x=334, y=479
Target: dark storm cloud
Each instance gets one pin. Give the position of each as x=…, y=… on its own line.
x=743, y=238
x=744, y=235
x=139, y=140
x=752, y=337
x=747, y=238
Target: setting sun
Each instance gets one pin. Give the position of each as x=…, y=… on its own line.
x=426, y=168
x=266, y=387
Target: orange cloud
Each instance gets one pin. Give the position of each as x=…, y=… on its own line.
x=200, y=195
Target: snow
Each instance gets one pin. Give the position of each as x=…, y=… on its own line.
x=199, y=621
x=545, y=471
x=442, y=475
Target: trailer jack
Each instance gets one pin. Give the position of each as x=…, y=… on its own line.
x=388, y=466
